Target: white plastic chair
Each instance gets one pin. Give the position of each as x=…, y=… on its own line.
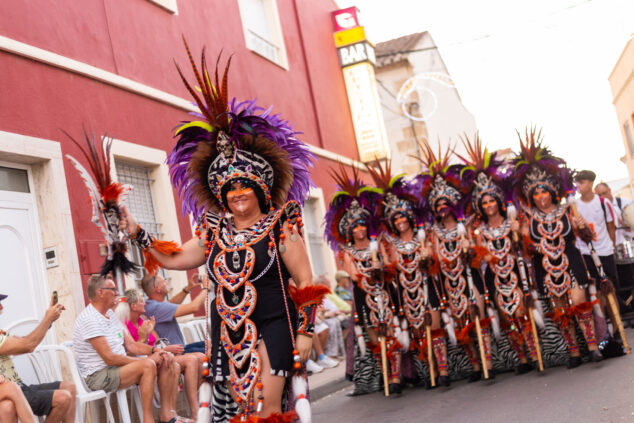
x=190, y=332
x=122, y=400
x=46, y=363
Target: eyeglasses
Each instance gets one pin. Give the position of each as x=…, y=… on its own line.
x=113, y=289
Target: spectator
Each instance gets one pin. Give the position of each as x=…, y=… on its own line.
x=103, y=348
x=344, y=286
x=601, y=215
x=142, y=329
x=13, y=403
x=55, y=400
x=623, y=231
x=166, y=312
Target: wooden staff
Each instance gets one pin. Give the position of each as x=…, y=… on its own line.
x=604, y=279
x=430, y=354
x=476, y=319
x=525, y=288
x=382, y=328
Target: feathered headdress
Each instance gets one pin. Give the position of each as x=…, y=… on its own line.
x=483, y=173
x=352, y=205
x=107, y=198
x=396, y=196
x=439, y=180
x=235, y=140
x=535, y=166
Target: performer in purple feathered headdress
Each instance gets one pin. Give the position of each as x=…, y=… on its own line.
x=497, y=235
x=243, y=174
x=352, y=229
x=418, y=300
x=451, y=242
x=541, y=181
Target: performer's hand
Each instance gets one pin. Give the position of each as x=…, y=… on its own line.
x=465, y=244
x=515, y=226
x=304, y=345
x=128, y=222
x=488, y=258
x=580, y=222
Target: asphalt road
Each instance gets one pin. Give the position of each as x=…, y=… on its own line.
x=594, y=392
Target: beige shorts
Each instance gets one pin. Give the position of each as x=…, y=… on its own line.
x=107, y=379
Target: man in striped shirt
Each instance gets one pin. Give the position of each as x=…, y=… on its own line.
x=102, y=345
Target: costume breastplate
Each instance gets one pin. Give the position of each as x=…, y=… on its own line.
x=447, y=249
x=410, y=279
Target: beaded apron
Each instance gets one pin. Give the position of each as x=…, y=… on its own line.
x=550, y=232
x=411, y=280
x=447, y=249
x=374, y=291
x=236, y=297
x=498, y=244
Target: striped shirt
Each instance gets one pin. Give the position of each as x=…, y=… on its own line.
x=92, y=324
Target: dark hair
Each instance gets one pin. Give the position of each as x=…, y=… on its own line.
x=585, y=175
x=501, y=208
x=398, y=215
x=553, y=195
x=247, y=183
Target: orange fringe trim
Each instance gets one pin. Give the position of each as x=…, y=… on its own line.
x=288, y=417
x=311, y=293
x=152, y=265
x=480, y=252
x=462, y=335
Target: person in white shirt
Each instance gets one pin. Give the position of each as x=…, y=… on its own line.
x=624, y=267
x=600, y=214
x=102, y=345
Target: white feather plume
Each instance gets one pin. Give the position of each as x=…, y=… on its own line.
x=495, y=322
x=204, y=396
x=93, y=192
x=302, y=405
x=360, y=340
x=450, y=328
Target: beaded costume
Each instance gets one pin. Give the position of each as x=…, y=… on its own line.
x=484, y=173
x=416, y=297
x=254, y=302
x=459, y=281
x=353, y=206
x=558, y=264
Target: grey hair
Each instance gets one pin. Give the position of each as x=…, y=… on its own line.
x=132, y=296
x=94, y=283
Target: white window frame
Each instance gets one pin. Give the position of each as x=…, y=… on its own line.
x=168, y=5
x=277, y=37
x=163, y=195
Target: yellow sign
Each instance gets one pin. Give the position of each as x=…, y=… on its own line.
x=349, y=36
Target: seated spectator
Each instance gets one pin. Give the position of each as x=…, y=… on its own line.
x=166, y=312
x=344, y=286
x=106, y=354
x=55, y=400
x=142, y=329
x=13, y=403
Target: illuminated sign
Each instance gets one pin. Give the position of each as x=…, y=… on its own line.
x=365, y=108
x=356, y=53
x=349, y=36
x=345, y=18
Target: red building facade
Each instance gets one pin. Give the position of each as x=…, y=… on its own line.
x=109, y=65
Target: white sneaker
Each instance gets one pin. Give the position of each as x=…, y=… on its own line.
x=312, y=367
x=327, y=362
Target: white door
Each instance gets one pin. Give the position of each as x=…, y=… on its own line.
x=22, y=274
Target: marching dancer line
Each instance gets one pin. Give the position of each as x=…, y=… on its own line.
x=477, y=269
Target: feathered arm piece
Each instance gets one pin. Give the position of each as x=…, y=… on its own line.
x=107, y=197
x=307, y=300
x=146, y=241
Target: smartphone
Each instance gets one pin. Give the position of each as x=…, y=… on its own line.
x=200, y=279
x=55, y=298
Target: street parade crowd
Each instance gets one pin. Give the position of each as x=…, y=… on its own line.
x=470, y=268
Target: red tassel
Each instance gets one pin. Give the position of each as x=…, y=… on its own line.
x=462, y=335
x=288, y=417
x=582, y=308
x=485, y=323
x=311, y=293
x=480, y=252
x=434, y=266
x=438, y=333
x=112, y=193
x=152, y=265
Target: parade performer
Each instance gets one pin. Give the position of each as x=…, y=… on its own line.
x=541, y=181
x=462, y=286
x=497, y=234
x=107, y=198
x=419, y=305
x=351, y=230
x=242, y=174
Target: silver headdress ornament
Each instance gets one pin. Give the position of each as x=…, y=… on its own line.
x=353, y=215
x=484, y=185
x=441, y=189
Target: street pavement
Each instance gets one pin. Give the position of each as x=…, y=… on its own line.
x=594, y=392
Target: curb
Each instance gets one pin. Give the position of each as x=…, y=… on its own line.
x=328, y=388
